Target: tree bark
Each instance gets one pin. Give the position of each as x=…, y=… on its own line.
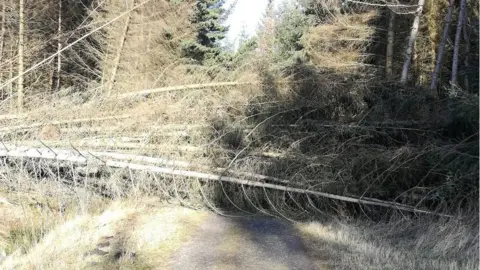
x=2, y=33
x=59, y=47
x=2, y=38
x=11, y=57
x=467, y=52
x=10, y=76
x=441, y=48
x=116, y=61
x=458, y=37
x=390, y=43
x=411, y=41
x=21, y=33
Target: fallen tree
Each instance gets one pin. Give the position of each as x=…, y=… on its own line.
x=84, y=157
x=179, y=88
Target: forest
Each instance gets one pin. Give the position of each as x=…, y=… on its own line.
x=359, y=112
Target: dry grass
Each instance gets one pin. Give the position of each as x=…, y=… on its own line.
x=398, y=244
x=138, y=234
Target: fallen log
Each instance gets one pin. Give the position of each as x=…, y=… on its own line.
x=179, y=88
x=213, y=177
x=63, y=122
x=113, y=144
x=78, y=158
x=50, y=153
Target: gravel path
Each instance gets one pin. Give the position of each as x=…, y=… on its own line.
x=243, y=243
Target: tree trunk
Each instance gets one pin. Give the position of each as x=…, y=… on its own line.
x=458, y=37
x=21, y=30
x=2, y=39
x=2, y=33
x=441, y=48
x=467, y=52
x=411, y=41
x=59, y=47
x=116, y=62
x=390, y=43
x=10, y=76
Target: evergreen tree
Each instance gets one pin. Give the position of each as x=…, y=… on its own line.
x=292, y=24
x=207, y=20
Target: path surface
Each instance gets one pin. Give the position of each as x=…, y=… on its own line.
x=242, y=243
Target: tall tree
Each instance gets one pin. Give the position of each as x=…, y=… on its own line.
x=59, y=47
x=411, y=41
x=2, y=33
x=267, y=29
x=292, y=24
x=458, y=37
x=207, y=20
x=21, y=33
x=466, y=39
x=390, y=43
x=441, y=48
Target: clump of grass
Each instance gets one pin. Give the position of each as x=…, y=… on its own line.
x=23, y=238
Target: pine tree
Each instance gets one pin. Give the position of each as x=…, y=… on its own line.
x=207, y=20
x=292, y=24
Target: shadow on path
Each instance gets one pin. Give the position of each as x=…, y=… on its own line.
x=243, y=243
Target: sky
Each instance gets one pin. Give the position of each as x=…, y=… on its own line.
x=246, y=15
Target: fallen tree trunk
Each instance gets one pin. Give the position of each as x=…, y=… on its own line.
x=213, y=177
x=179, y=88
x=63, y=122
x=139, y=146
x=12, y=116
x=64, y=155
x=59, y=154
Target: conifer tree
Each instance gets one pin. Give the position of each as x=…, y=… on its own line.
x=207, y=20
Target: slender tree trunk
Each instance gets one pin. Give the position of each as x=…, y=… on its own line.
x=21, y=33
x=458, y=37
x=59, y=47
x=2, y=33
x=2, y=37
x=411, y=41
x=390, y=43
x=10, y=76
x=116, y=61
x=441, y=48
x=467, y=52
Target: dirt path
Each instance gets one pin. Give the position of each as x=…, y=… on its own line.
x=241, y=243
